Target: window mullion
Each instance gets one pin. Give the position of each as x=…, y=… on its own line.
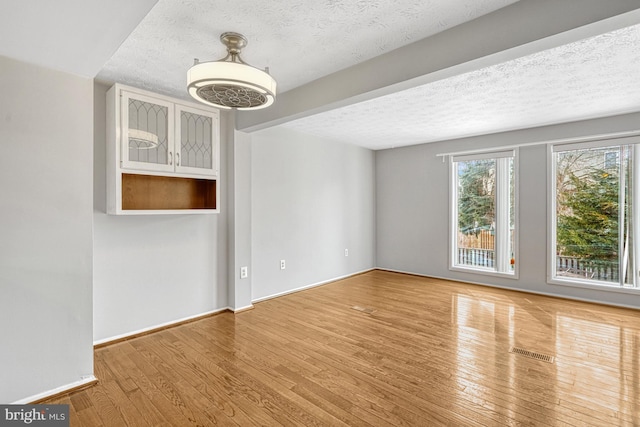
x=635, y=212
x=453, y=220
x=622, y=250
x=502, y=215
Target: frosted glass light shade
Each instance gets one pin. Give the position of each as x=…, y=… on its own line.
x=225, y=84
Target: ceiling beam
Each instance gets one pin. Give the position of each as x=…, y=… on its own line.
x=520, y=29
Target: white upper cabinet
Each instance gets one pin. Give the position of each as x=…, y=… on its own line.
x=163, y=154
x=164, y=136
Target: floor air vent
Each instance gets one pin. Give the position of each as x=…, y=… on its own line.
x=363, y=309
x=532, y=354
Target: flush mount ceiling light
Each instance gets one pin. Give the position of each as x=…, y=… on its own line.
x=229, y=82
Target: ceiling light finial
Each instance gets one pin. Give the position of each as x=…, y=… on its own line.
x=230, y=82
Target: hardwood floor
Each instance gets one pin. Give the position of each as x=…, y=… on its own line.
x=414, y=352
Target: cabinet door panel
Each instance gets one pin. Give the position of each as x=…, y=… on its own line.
x=147, y=141
x=196, y=141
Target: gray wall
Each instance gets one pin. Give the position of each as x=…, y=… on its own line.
x=412, y=207
x=311, y=200
x=150, y=270
x=45, y=230
x=239, y=207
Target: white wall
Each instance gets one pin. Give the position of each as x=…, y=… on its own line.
x=152, y=270
x=311, y=200
x=45, y=230
x=413, y=212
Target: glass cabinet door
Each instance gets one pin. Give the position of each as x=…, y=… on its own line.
x=196, y=141
x=147, y=139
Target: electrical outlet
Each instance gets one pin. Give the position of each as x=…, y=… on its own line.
x=283, y=265
x=346, y=252
x=244, y=272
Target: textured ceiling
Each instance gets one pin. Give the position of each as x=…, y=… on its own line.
x=298, y=40
x=595, y=77
x=301, y=41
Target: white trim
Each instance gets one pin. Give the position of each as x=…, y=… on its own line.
x=622, y=213
x=526, y=291
x=502, y=196
x=606, y=287
x=313, y=285
x=551, y=213
x=161, y=325
x=453, y=213
x=502, y=204
x=635, y=213
x=489, y=154
x=87, y=379
x=478, y=270
x=595, y=144
x=241, y=309
x=604, y=136
x=516, y=213
x=171, y=211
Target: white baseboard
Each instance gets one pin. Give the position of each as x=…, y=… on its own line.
x=241, y=309
x=159, y=326
x=37, y=397
x=313, y=285
x=528, y=291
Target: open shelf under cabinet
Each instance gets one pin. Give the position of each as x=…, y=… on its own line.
x=149, y=192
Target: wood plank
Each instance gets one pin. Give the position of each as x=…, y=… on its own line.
x=423, y=352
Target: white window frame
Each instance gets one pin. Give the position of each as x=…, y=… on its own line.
x=552, y=279
x=501, y=267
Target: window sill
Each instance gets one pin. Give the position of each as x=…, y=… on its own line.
x=593, y=286
x=483, y=272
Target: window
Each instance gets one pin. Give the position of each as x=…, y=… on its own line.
x=594, y=212
x=483, y=213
